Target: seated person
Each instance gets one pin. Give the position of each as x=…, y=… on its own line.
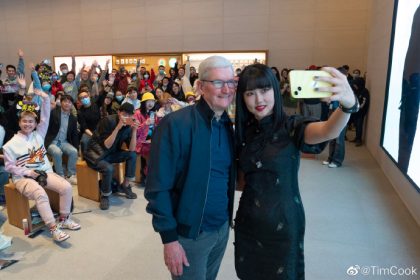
x=26, y=159
x=4, y=176
x=88, y=117
x=62, y=138
x=104, y=149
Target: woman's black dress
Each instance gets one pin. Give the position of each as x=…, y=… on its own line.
x=270, y=221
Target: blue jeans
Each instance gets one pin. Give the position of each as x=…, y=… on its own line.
x=56, y=150
x=84, y=142
x=4, y=178
x=106, y=168
x=359, y=127
x=337, y=148
x=204, y=254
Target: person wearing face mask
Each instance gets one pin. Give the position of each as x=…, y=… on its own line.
x=55, y=84
x=160, y=76
x=147, y=79
x=356, y=73
x=116, y=103
x=88, y=117
x=64, y=69
x=46, y=87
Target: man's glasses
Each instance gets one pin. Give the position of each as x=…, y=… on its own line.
x=219, y=83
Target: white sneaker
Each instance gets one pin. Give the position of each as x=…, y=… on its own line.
x=325, y=162
x=69, y=224
x=59, y=235
x=332, y=165
x=72, y=179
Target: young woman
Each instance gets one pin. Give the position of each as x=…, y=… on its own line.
x=25, y=158
x=270, y=222
x=177, y=92
x=118, y=99
x=106, y=106
x=148, y=121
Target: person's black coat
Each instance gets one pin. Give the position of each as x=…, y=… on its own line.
x=54, y=128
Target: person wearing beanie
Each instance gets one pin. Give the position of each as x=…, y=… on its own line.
x=105, y=148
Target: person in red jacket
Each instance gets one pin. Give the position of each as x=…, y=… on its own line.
x=55, y=84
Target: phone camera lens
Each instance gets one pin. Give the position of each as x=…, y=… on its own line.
x=299, y=88
x=296, y=93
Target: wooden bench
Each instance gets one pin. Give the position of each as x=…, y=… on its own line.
x=18, y=205
x=88, y=179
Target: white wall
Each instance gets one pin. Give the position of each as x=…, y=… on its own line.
x=297, y=33
x=377, y=66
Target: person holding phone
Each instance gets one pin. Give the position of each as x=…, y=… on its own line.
x=270, y=221
x=147, y=122
x=105, y=148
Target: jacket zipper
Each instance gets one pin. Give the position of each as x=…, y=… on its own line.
x=208, y=180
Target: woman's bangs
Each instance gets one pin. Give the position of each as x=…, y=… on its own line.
x=259, y=80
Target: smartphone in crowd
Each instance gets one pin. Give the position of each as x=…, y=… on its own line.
x=302, y=84
x=129, y=120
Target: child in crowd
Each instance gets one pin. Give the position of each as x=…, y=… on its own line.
x=132, y=97
x=26, y=159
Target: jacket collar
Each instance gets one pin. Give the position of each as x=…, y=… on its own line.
x=206, y=112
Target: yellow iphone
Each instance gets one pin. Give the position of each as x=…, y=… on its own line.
x=302, y=84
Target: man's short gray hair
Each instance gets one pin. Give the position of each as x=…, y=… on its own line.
x=212, y=62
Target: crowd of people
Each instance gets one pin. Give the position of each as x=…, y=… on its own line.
x=99, y=115
x=192, y=157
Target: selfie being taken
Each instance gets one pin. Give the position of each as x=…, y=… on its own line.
x=209, y=140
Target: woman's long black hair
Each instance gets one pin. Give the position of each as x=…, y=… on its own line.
x=256, y=76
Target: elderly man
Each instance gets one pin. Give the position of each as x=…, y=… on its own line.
x=190, y=181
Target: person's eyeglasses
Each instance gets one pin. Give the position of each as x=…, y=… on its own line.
x=219, y=83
